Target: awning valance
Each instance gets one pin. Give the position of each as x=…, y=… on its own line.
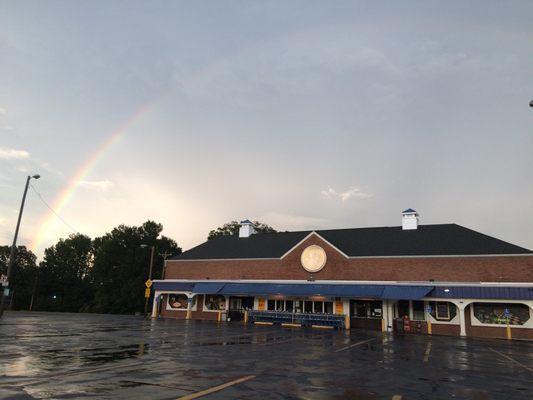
x=405, y=292
x=173, y=286
x=208, y=287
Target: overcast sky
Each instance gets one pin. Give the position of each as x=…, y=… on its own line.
x=300, y=114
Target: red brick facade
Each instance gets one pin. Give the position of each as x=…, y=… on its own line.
x=338, y=267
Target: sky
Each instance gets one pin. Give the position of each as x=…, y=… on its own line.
x=300, y=114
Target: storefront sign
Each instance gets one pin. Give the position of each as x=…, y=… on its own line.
x=313, y=258
x=261, y=304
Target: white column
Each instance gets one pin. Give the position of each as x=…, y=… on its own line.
x=155, y=304
x=461, y=306
x=385, y=314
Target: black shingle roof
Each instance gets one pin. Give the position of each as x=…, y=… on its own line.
x=427, y=240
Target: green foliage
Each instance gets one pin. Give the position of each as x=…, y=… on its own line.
x=23, y=275
x=63, y=275
x=77, y=274
x=232, y=228
x=121, y=266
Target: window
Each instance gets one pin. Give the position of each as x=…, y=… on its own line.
x=501, y=313
x=289, y=305
x=298, y=306
x=328, y=307
x=271, y=305
x=365, y=309
x=179, y=302
x=418, y=311
x=318, y=306
x=442, y=310
x=308, y=306
x=214, y=303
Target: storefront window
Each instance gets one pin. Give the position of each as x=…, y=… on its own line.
x=442, y=310
x=328, y=307
x=418, y=310
x=318, y=307
x=289, y=305
x=501, y=313
x=215, y=302
x=271, y=305
x=179, y=301
x=308, y=306
x=365, y=309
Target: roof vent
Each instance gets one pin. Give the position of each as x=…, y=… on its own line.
x=409, y=219
x=246, y=229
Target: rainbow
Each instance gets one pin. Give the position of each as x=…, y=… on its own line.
x=81, y=173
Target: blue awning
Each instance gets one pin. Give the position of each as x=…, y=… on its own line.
x=483, y=292
x=306, y=289
x=405, y=292
x=208, y=287
x=174, y=286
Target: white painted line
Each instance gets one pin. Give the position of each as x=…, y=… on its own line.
x=512, y=359
x=355, y=344
x=426, y=354
x=216, y=388
x=397, y=397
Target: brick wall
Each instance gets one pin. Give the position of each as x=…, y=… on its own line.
x=452, y=269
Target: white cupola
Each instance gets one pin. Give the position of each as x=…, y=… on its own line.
x=409, y=219
x=246, y=229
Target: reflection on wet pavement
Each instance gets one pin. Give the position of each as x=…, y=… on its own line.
x=59, y=356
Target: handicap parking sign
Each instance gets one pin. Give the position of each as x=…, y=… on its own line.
x=506, y=313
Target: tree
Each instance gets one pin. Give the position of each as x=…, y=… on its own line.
x=232, y=228
x=63, y=283
x=121, y=266
x=23, y=275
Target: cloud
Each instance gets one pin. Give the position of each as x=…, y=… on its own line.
x=12, y=154
x=352, y=192
x=101, y=186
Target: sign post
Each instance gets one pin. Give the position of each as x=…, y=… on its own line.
x=507, y=315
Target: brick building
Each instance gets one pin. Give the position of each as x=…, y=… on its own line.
x=438, y=279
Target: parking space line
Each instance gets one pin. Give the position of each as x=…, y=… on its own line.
x=511, y=359
x=33, y=381
x=355, y=344
x=216, y=388
x=428, y=350
x=397, y=397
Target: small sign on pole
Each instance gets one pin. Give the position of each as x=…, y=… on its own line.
x=147, y=293
x=148, y=283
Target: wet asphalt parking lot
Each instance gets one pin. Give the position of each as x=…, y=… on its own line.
x=68, y=356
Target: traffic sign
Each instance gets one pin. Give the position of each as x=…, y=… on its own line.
x=147, y=293
x=148, y=283
x=507, y=313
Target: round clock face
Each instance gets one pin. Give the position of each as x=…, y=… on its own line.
x=313, y=258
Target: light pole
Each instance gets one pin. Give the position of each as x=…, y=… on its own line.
x=165, y=256
x=149, y=275
x=14, y=246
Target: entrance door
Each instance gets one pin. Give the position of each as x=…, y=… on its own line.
x=237, y=306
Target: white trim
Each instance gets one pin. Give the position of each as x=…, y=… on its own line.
x=169, y=308
x=344, y=282
x=307, y=237
x=357, y=257
x=476, y=322
x=204, y=309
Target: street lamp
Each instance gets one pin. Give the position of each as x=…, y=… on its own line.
x=144, y=246
x=14, y=245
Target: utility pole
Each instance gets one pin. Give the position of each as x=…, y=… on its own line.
x=14, y=246
x=149, y=276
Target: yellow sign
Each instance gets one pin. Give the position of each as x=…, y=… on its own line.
x=147, y=293
x=261, y=304
x=148, y=283
x=339, y=307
